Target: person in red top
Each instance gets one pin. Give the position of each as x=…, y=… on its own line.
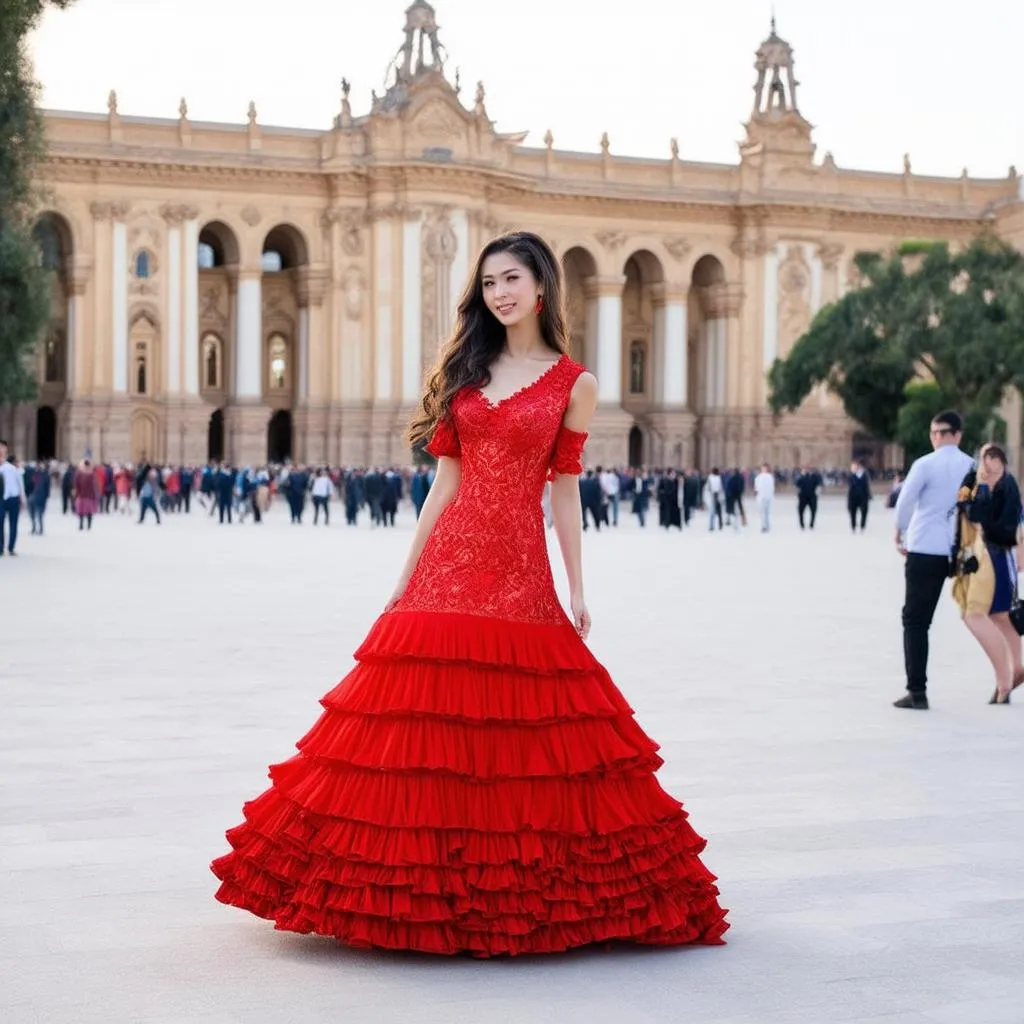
x=87, y=493
x=478, y=783
x=173, y=487
x=123, y=489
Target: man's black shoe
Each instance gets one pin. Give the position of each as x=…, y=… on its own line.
x=915, y=701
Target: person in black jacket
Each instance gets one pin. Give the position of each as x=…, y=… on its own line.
x=590, y=499
x=808, y=484
x=858, y=495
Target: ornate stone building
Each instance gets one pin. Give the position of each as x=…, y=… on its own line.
x=254, y=291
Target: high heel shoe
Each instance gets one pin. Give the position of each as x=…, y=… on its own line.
x=1000, y=698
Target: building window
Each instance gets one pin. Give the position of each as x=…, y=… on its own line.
x=54, y=352
x=142, y=265
x=48, y=240
x=206, y=257
x=141, y=383
x=212, y=363
x=271, y=262
x=278, y=364
x=637, y=368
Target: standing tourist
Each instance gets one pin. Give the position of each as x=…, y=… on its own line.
x=148, y=494
x=419, y=488
x=858, y=495
x=641, y=496
x=985, y=586
x=87, y=494
x=610, y=489
x=450, y=799
x=764, y=492
x=925, y=529
x=713, y=498
x=39, y=497
x=12, y=500
x=323, y=488
x=808, y=487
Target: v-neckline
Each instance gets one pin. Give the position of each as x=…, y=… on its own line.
x=521, y=391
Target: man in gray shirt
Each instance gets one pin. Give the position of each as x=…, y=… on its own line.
x=925, y=533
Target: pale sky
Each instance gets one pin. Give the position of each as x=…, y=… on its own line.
x=939, y=79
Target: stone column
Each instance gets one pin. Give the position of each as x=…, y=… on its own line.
x=173, y=215
x=247, y=417
x=383, y=325
x=412, y=307
x=119, y=299
x=190, y=277
x=93, y=379
x=74, y=413
x=609, y=433
x=671, y=423
x=607, y=292
x=313, y=365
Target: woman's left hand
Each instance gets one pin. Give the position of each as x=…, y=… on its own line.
x=580, y=616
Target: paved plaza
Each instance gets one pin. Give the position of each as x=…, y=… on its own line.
x=871, y=858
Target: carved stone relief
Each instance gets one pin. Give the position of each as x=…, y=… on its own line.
x=251, y=216
x=611, y=240
x=677, y=247
x=353, y=285
x=794, y=298
x=438, y=252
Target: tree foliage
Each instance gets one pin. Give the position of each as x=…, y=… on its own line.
x=24, y=297
x=926, y=316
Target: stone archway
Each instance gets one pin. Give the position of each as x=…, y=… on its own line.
x=215, y=437
x=279, y=436
x=641, y=307
x=46, y=432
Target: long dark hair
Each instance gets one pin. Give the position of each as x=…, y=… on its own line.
x=478, y=337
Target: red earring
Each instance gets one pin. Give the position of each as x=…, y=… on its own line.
x=539, y=308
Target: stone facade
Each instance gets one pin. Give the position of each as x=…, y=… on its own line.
x=258, y=292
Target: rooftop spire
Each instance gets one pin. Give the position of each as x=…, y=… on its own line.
x=775, y=89
x=421, y=51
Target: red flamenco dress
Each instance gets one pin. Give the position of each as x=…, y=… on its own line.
x=477, y=784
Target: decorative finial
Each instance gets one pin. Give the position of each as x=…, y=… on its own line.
x=549, y=139
x=458, y=81
x=1013, y=171
x=604, y=143
x=252, y=113
x=674, y=147
x=183, y=109
x=964, y=174
x=773, y=19
x=479, y=100
x=906, y=163
x=112, y=102
x=346, y=108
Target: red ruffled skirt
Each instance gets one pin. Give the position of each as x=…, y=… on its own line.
x=473, y=785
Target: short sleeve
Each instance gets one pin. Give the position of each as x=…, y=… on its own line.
x=567, y=455
x=445, y=440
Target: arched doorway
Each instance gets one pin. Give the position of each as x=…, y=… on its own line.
x=636, y=447
x=279, y=436
x=46, y=433
x=215, y=437
x=52, y=235
x=580, y=269
x=642, y=271
x=217, y=261
x=707, y=337
x=285, y=337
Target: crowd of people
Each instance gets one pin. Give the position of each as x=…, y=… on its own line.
x=240, y=494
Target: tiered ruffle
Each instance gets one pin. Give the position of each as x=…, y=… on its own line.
x=477, y=786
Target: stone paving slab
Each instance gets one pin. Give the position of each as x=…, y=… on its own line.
x=870, y=857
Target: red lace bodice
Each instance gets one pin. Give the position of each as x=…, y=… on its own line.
x=487, y=554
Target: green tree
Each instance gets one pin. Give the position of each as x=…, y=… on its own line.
x=924, y=316
x=24, y=295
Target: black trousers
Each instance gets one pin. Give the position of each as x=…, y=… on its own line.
x=926, y=575
x=807, y=504
x=856, y=507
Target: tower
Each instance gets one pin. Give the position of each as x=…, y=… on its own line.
x=778, y=136
x=421, y=55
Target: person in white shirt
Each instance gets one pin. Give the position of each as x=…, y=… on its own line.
x=12, y=500
x=925, y=533
x=323, y=488
x=713, y=491
x=610, y=489
x=764, y=490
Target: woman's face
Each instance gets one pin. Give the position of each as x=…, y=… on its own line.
x=510, y=291
x=994, y=467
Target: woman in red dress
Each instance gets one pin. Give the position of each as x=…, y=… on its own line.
x=477, y=783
